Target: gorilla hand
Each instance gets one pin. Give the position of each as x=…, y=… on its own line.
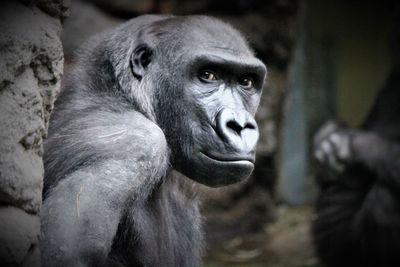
x=337, y=147
x=332, y=148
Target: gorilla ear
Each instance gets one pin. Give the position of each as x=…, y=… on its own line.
x=140, y=59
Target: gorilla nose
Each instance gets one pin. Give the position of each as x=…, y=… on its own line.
x=238, y=129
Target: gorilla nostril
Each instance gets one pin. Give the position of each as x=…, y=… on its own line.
x=236, y=127
x=250, y=126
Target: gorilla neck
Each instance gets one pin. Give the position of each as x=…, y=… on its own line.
x=180, y=184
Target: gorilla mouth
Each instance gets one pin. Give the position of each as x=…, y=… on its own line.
x=229, y=158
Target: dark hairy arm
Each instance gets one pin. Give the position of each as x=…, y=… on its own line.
x=357, y=211
x=89, y=201
x=337, y=148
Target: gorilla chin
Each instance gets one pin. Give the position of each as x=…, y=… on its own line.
x=224, y=170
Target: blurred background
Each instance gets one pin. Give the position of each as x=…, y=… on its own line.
x=325, y=59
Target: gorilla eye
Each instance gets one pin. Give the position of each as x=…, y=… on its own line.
x=207, y=76
x=246, y=82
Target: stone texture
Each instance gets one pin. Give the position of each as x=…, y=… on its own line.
x=55, y=8
x=31, y=65
x=19, y=234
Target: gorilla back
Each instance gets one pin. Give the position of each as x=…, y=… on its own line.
x=145, y=106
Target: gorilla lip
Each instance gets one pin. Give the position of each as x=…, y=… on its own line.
x=233, y=158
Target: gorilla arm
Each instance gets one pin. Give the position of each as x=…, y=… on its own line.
x=130, y=159
x=337, y=148
x=357, y=209
x=380, y=155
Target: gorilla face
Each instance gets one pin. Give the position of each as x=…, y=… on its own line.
x=222, y=94
x=207, y=89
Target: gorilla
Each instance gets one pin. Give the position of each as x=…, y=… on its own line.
x=357, y=220
x=157, y=100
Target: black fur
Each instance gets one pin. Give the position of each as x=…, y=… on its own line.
x=137, y=109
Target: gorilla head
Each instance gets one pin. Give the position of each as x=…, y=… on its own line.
x=204, y=86
x=193, y=76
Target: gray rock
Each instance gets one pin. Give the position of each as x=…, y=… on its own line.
x=18, y=237
x=31, y=65
x=55, y=8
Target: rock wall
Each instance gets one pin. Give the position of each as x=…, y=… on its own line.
x=31, y=65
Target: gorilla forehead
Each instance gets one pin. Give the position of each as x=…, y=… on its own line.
x=198, y=33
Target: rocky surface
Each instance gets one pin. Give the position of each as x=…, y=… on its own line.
x=31, y=65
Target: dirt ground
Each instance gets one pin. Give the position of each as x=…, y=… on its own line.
x=284, y=243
